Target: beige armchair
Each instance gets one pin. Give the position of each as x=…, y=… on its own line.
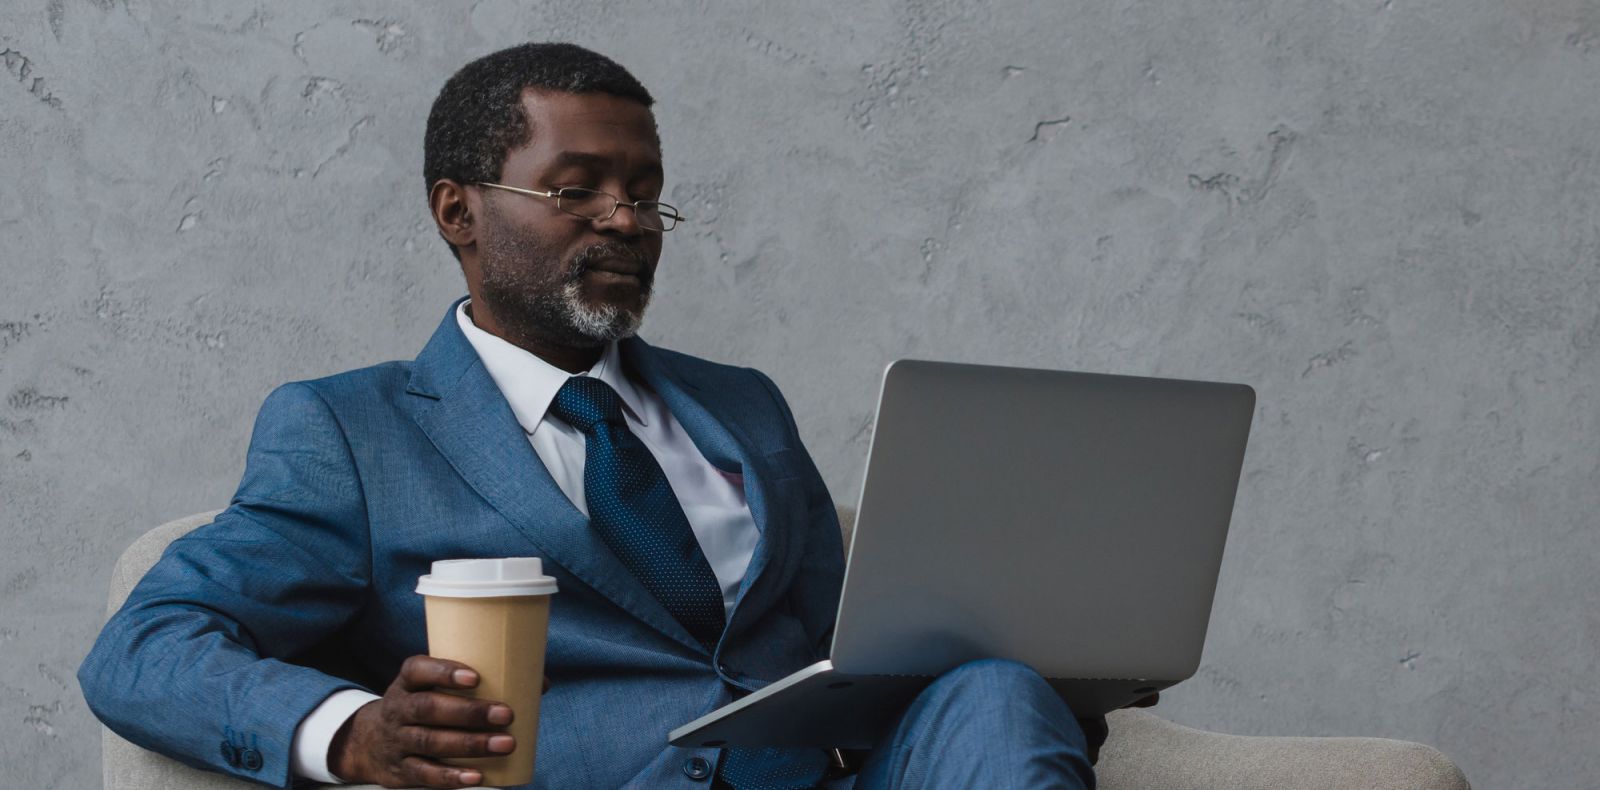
x=1144, y=752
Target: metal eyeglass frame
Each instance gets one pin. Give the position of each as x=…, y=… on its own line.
x=664, y=210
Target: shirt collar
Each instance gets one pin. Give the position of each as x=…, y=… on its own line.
x=530, y=384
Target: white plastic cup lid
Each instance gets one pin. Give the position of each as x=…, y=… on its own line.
x=489, y=578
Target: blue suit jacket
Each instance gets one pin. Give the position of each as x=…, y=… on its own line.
x=356, y=482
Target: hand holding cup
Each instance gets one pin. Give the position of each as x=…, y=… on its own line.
x=396, y=741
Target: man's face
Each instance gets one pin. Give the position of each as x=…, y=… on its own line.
x=549, y=275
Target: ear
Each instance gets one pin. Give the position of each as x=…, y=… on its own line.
x=448, y=202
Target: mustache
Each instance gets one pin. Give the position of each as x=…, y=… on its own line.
x=588, y=256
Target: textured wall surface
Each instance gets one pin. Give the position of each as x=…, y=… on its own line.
x=1380, y=213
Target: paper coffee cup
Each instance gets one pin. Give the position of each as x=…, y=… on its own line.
x=492, y=615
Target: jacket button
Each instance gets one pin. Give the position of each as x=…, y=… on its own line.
x=250, y=759
x=230, y=755
x=697, y=768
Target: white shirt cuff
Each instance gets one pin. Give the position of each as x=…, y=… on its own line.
x=309, y=752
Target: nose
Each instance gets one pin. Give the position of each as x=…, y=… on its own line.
x=622, y=222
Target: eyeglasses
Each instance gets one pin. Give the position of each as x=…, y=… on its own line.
x=593, y=204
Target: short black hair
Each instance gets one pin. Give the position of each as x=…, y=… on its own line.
x=478, y=117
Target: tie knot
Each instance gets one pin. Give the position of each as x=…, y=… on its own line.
x=585, y=401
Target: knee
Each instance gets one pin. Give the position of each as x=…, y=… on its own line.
x=995, y=674
x=1003, y=669
x=990, y=681
x=983, y=701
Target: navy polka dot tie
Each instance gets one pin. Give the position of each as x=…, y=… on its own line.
x=632, y=507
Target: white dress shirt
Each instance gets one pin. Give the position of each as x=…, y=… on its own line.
x=712, y=499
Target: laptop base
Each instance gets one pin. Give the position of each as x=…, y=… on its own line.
x=822, y=707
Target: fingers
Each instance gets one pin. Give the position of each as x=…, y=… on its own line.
x=438, y=709
x=394, y=741
x=420, y=673
x=433, y=742
x=427, y=773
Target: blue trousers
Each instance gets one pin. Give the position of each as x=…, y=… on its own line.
x=990, y=724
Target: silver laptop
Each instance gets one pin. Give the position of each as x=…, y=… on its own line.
x=1070, y=521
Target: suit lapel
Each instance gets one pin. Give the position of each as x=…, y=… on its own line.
x=715, y=440
x=474, y=428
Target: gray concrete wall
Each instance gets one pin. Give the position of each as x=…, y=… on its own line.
x=1380, y=213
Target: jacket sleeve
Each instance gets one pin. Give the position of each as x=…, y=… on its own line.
x=820, y=577
x=196, y=665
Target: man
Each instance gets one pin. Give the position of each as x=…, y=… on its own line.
x=714, y=570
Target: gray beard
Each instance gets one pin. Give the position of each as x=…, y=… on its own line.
x=603, y=324
x=550, y=308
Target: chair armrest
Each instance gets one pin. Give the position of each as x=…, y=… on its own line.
x=1147, y=751
x=142, y=554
